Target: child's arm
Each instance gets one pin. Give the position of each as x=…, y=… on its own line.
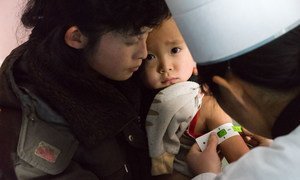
x=212, y=115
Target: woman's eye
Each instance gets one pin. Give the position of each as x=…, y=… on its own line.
x=134, y=39
x=150, y=57
x=130, y=42
x=175, y=50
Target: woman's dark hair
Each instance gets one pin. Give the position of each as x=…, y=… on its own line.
x=275, y=65
x=50, y=20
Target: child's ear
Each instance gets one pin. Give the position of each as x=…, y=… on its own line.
x=74, y=38
x=195, y=70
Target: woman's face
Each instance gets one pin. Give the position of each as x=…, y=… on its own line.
x=118, y=56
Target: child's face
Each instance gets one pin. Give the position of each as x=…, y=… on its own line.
x=118, y=56
x=169, y=61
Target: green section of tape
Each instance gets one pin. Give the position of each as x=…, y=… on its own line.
x=237, y=128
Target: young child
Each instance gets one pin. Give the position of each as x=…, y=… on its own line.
x=179, y=112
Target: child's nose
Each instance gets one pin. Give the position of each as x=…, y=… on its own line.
x=165, y=66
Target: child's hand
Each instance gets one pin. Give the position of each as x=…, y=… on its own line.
x=206, y=161
x=254, y=140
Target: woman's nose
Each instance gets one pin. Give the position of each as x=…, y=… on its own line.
x=142, y=50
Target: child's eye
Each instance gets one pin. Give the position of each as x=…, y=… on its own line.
x=150, y=57
x=175, y=50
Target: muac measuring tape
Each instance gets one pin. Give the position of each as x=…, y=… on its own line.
x=225, y=131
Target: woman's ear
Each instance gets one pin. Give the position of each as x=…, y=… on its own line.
x=74, y=38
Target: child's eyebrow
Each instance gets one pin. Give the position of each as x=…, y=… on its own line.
x=175, y=42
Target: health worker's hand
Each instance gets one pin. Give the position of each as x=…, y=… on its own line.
x=254, y=140
x=206, y=161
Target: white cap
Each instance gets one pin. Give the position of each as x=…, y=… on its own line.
x=218, y=30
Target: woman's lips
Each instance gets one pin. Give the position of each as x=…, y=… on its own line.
x=133, y=69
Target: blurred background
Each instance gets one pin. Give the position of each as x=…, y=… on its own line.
x=11, y=32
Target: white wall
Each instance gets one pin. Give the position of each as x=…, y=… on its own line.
x=11, y=31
